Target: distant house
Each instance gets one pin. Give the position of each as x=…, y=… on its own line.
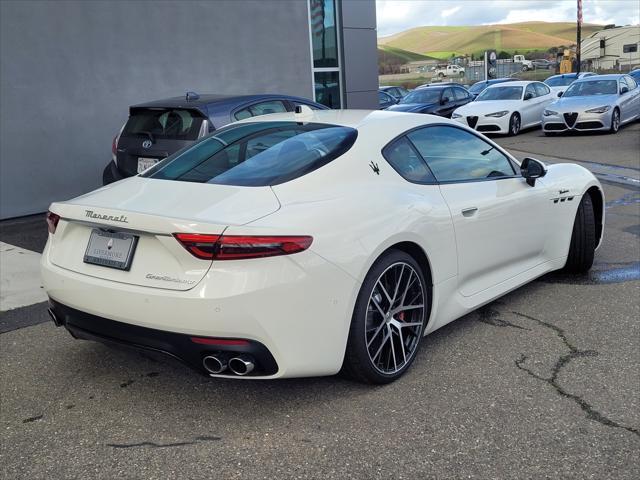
x=613, y=48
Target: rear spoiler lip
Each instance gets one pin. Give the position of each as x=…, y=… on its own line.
x=200, y=109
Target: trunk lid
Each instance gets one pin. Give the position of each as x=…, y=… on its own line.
x=153, y=210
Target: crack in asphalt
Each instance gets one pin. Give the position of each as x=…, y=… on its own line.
x=563, y=361
x=165, y=445
x=491, y=316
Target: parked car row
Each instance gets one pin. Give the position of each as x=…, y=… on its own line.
x=577, y=101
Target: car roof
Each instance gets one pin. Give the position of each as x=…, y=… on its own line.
x=609, y=76
x=565, y=75
x=215, y=100
x=517, y=83
x=496, y=80
x=383, y=123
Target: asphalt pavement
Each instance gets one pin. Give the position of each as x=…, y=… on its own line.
x=543, y=383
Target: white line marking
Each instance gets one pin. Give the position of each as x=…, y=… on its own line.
x=20, y=283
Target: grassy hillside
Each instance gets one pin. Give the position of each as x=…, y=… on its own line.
x=392, y=59
x=401, y=55
x=442, y=42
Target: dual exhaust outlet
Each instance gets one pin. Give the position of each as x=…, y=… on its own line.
x=242, y=364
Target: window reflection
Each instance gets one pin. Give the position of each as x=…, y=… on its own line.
x=323, y=33
x=327, y=88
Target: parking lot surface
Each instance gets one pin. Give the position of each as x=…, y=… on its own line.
x=543, y=383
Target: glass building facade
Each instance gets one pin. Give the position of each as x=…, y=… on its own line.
x=325, y=47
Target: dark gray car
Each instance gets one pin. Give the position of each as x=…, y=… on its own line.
x=160, y=128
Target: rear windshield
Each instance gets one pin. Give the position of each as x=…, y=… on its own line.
x=560, y=81
x=257, y=154
x=500, y=93
x=164, y=123
x=592, y=87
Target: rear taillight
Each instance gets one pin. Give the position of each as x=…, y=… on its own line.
x=239, y=247
x=52, y=221
x=201, y=246
x=114, y=146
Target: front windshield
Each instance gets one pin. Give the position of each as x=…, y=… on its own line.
x=424, y=95
x=500, y=93
x=560, y=81
x=592, y=87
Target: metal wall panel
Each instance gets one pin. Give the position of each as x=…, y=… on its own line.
x=70, y=69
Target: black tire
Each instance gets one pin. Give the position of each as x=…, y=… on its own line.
x=358, y=363
x=583, y=239
x=441, y=75
x=514, y=124
x=615, y=121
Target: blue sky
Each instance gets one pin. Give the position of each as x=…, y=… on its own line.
x=397, y=15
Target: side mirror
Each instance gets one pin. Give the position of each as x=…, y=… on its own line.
x=532, y=169
x=560, y=94
x=624, y=90
x=444, y=100
x=528, y=96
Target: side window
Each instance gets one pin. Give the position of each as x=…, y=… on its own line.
x=312, y=107
x=405, y=160
x=631, y=82
x=262, y=108
x=448, y=93
x=530, y=90
x=460, y=94
x=455, y=155
x=242, y=114
x=541, y=89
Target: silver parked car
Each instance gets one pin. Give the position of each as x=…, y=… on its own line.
x=600, y=102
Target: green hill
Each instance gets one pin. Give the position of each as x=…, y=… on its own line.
x=442, y=42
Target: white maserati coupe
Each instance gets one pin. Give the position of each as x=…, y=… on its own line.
x=300, y=244
x=506, y=107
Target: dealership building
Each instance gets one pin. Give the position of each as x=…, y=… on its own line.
x=69, y=70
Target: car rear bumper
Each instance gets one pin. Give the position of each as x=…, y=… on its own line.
x=111, y=173
x=297, y=307
x=183, y=347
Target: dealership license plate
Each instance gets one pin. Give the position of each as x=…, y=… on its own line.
x=110, y=249
x=146, y=163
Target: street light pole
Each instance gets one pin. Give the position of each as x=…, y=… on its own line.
x=579, y=37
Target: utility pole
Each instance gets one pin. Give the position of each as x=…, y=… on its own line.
x=579, y=37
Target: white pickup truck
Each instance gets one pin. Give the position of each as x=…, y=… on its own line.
x=449, y=71
x=526, y=64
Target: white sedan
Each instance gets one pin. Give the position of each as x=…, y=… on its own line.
x=506, y=107
x=300, y=244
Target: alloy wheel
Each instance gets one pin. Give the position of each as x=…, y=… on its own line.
x=395, y=318
x=515, y=125
x=615, y=121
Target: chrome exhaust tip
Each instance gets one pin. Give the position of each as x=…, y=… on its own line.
x=242, y=364
x=215, y=363
x=54, y=318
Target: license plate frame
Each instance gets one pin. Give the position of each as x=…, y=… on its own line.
x=145, y=163
x=122, y=256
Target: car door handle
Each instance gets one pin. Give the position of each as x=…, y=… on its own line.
x=469, y=212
